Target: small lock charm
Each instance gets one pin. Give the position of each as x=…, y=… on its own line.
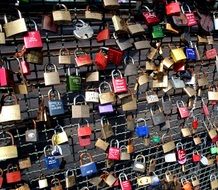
x=64, y=56
x=141, y=130
x=89, y=168
x=61, y=16
x=52, y=77
x=131, y=69
x=31, y=135
x=139, y=164
x=119, y=83
x=73, y=81
x=114, y=152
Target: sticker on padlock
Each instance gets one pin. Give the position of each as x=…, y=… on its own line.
x=139, y=164
x=84, y=134
x=124, y=182
x=89, y=168
x=150, y=17
x=114, y=152
x=91, y=96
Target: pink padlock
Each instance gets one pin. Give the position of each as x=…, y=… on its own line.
x=24, y=67
x=205, y=108
x=114, y=152
x=119, y=83
x=124, y=182
x=183, y=110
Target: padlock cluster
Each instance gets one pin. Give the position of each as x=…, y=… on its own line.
x=166, y=68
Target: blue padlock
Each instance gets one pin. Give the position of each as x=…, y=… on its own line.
x=89, y=168
x=142, y=130
x=55, y=106
x=190, y=52
x=155, y=181
x=51, y=161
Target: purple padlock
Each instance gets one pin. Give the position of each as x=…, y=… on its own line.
x=106, y=108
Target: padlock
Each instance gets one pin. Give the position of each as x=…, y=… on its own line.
x=60, y=136
x=24, y=163
x=168, y=146
x=130, y=122
x=102, y=144
x=167, y=62
x=178, y=55
x=130, y=147
x=156, y=138
x=213, y=182
x=129, y=103
x=1, y=177
x=109, y=178
x=151, y=97
x=170, y=157
x=152, y=166
x=70, y=179
x=24, y=67
x=103, y=35
x=80, y=111
x=61, y=16
x=9, y=151
x=73, y=81
x=131, y=69
x=124, y=182
x=144, y=180
x=14, y=27
x=82, y=58
x=42, y=182
x=141, y=130
x=155, y=181
x=169, y=176
x=190, y=91
x=111, y=4
x=52, y=77
x=212, y=132
x=105, y=108
x=204, y=161
x=84, y=134
x=34, y=56
x=56, y=184
x=186, y=185
x=120, y=25
x=172, y=8
x=181, y=153
x=195, y=123
x=64, y=56
x=186, y=132
x=215, y=19
x=32, y=39
x=183, y=110
x=91, y=96
x=196, y=157
x=124, y=155
x=211, y=53
x=92, y=14
x=51, y=162
x=6, y=75
x=166, y=104
x=135, y=28
x=196, y=139
x=205, y=108
x=123, y=43
x=9, y=112
x=213, y=149
x=22, y=186
x=212, y=93
x=106, y=97
x=153, y=51
x=157, y=32
x=139, y=164
x=115, y=56
x=14, y=175
x=48, y=23
x=157, y=116
x=101, y=59
x=55, y=106
x=141, y=43
x=177, y=83
x=119, y=83
x=150, y=16
x=191, y=20
x=190, y=52
x=106, y=128
x=89, y=168
x=2, y=36
x=83, y=31
x=31, y=135
x=114, y=152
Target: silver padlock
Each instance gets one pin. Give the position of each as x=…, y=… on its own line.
x=31, y=134
x=43, y=182
x=131, y=68
x=178, y=83
x=123, y=153
x=123, y=43
x=139, y=163
x=215, y=18
x=83, y=31
x=166, y=104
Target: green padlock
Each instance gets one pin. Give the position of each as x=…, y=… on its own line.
x=73, y=82
x=157, y=31
x=213, y=149
x=156, y=139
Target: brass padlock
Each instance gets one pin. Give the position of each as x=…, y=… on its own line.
x=197, y=140
x=130, y=146
x=108, y=178
x=101, y=144
x=92, y=14
x=106, y=97
x=106, y=128
x=169, y=176
x=162, y=83
x=2, y=36
x=119, y=24
x=80, y=111
x=111, y=4
x=124, y=155
x=52, y=77
x=129, y=103
x=195, y=181
x=70, y=179
x=92, y=77
x=213, y=182
x=24, y=163
x=168, y=146
x=60, y=135
x=135, y=28
x=202, y=80
x=167, y=62
x=152, y=166
x=178, y=55
x=24, y=186
x=35, y=57
x=64, y=56
x=61, y=16
x=143, y=78
x=56, y=184
x=186, y=132
x=190, y=91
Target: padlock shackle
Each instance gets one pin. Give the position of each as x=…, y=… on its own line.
x=10, y=166
x=7, y=95
x=129, y=58
x=87, y=155
x=68, y=71
x=78, y=50
x=103, y=83
x=50, y=64
x=60, y=5
x=103, y=118
x=140, y=120
x=123, y=148
x=151, y=109
x=162, y=98
x=19, y=15
x=118, y=71
x=64, y=51
x=87, y=123
x=80, y=95
x=68, y=171
x=58, y=127
x=1, y=30
x=45, y=149
x=179, y=103
x=168, y=172
x=146, y=7
x=122, y=175
x=187, y=6
x=140, y=156
x=34, y=23
x=54, y=90
x=213, y=177
x=11, y=136
x=178, y=145
x=117, y=143
x=164, y=136
x=184, y=180
x=1, y=172
x=85, y=188
x=55, y=181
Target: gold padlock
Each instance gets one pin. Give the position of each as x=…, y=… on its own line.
x=2, y=36
x=25, y=186
x=178, y=55
x=168, y=146
x=145, y=180
x=24, y=163
x=186, y=132
x=61, y=16
x=213, y=182
x=64, y=56
x=111, y=4
x=119, y=24
x=61, y=136
x=108, y=178
x=102, y=144
x=190, y=91
x=195, y=181
x=70, y=180
x=167, y=62
x=169, y=176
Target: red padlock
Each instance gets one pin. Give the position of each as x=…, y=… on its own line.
x=183, y=110
x=150, y=17
x=14, y=175
x=124, y=182
x=1, y=177
x=103, y=35
x=205, y=108
x=84, y=133
x=32, y=39
x=115, y=56
x=181, y=153
x=82, y=58
x=101, y=59
x=211, y=54
x=119, y=83
x=6, y=77
x=195, y=123
x=172, y=8
x=190, y=17
x=196, y=157
x=114, y=152
x=180, y=66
